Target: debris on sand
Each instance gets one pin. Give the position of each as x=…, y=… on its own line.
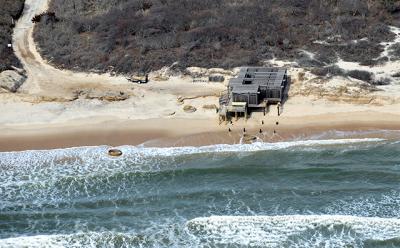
x=110, y=96
x=249, y=138
x=114, y=152
x=11, y=80
x=169, y=113
x=210, y=106
x=180, y=100
x=189, y=109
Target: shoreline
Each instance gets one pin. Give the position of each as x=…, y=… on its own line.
x=198, y=132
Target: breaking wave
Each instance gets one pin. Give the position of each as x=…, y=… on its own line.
x=138, y=153
x=296, y=231
x=239, y=231
x=301, y=194
x=55, y=176
x=89, y=240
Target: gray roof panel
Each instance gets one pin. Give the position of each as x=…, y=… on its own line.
x=272, y=78
x=250, y=88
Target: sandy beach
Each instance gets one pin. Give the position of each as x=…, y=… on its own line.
x=199, y=132
x=58, y=108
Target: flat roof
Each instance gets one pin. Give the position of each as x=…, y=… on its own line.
x=271, y=77
x=261, y=69
x=245, y=88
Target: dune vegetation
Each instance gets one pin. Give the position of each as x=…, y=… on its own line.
x=132, y=36
x=9, y=12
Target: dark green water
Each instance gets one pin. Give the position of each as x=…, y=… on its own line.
x=295, y=194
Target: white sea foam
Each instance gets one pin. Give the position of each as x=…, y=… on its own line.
x=237, y=231
x=294, y=230
x=53, y=241
x=100, y=152
x=103, y=239
x=90, y=239
x=256, y=146
x=31, y=178
x=385, y=205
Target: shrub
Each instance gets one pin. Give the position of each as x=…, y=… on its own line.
x=328, y=71
x=304, y=60
x=382, y=81
x=10, y=9
x=46, y=16
x=359, y=51
x=360, y=75
x=216, y=78
x=394, y=51
x=142, y=35
x=392, y=6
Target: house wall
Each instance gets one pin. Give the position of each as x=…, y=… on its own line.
x=240, y=98
x=274, y=95
x=250, y=98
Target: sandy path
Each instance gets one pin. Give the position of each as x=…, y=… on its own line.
x=45, y=80
x=49, y=96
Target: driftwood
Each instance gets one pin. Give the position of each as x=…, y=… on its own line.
x=189, y=109
x=216, y=78
x=139, y=81
x=210, y=106
x=114, y=152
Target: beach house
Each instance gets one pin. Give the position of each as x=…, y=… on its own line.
x=253, y=90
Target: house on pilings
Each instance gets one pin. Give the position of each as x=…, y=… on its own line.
x=253, y=90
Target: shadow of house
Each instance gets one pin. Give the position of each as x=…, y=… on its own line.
x=285, y=96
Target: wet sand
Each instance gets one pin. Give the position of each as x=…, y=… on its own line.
x=200, y=132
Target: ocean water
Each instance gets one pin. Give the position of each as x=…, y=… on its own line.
x=316, y=193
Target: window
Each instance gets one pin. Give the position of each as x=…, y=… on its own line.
x=247, y=81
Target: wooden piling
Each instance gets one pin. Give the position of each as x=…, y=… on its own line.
x=279, y=108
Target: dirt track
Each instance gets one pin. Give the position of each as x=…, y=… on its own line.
x=45, y=80
x=53, y=84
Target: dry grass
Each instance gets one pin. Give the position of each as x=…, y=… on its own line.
x=131, y=36
x=210, y=106
x=189, y=109
x=10, y=9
